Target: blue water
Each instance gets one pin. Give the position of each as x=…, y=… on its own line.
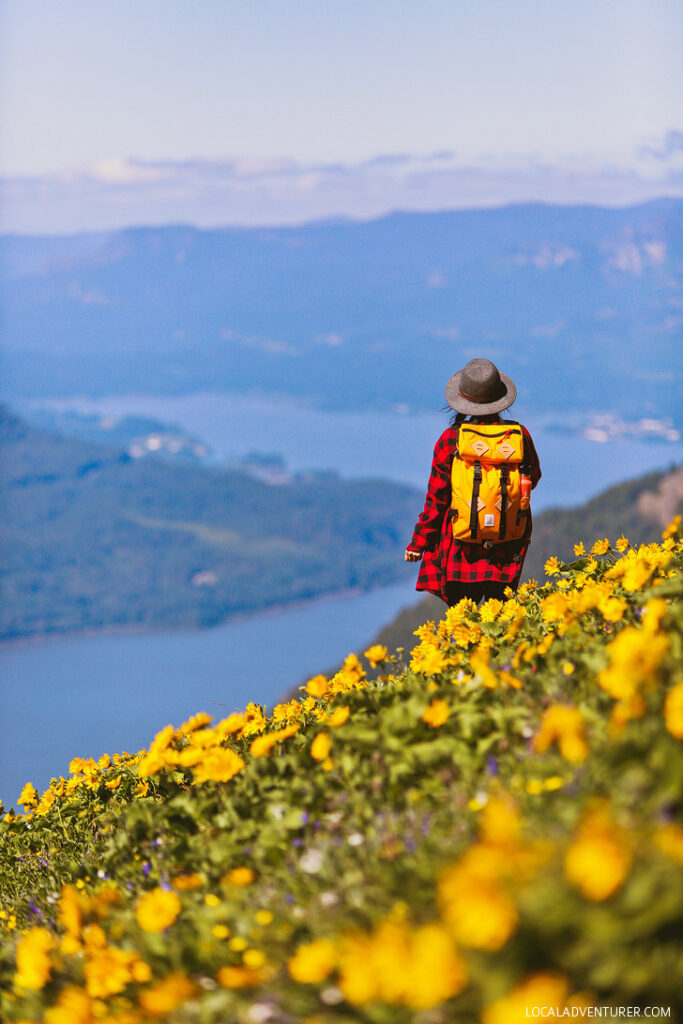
x=87, y=695
x=383, y=444
x=84, y=695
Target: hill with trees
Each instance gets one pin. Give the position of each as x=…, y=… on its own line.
x=93, y=537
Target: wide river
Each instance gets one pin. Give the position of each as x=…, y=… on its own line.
x=86, y=695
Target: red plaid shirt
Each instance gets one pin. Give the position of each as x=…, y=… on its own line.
x=447, y=560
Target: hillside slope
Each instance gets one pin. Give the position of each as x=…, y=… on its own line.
x=494, y=828
x=637, y=508
x=93, y=537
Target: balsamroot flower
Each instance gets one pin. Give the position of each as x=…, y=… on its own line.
x=320, y=747
x=157, y=910
x=314, y=961
x=436, y=714
x=377, y=654
x=673, y=711
x=33, y=958
x=165, y=996
x=564, y=725
x=597, y=861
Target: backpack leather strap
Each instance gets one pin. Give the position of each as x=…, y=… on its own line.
x=474, y=507
x=504, y=479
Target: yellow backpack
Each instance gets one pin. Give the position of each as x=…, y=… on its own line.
x=487, y=504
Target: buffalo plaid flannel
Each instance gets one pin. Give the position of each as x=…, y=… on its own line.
x=447, y=560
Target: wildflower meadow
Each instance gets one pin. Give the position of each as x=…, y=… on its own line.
x=465, y=832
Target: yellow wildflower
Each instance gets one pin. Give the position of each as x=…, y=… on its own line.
x=597, y=860
x=478, y=911
x=254, y=958
x=612, y=609
x=435, y=971
x=377, y=654
x=637, y=575
x=436, y=714
x=634, y=657
x=479, y=663
x=400, y=966
x=601, y=547
x=238, y=977
x=187, y=882
x=218, y=765
x=563, y=724
x=73, y=1006
x=427, y=659
x=490, y=609
x=320, y=747
x=539, y=990
x=579, y=549
x=239, y=876
x=338, y=717
x=108, y=970
x=254, y=720
x=526, y=589
x=70, y=914
x=165, y=996
x=313, y=962
x=625, y=711
x=318, y=686
x=28, y=796
x=157, y=910
x=673, y=711
x=197, y=721
x=33, y=958
x=655, y=610
x=622, y=543
x=555, y=607
x=669, y=839
x=264, y=744
x=672, y=529
x=230, y=725
x=552, y=566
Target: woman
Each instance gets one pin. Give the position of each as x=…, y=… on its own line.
x=478, y=568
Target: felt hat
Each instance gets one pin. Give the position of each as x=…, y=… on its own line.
x=480, y=389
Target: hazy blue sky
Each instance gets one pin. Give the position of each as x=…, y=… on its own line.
x=88, y=86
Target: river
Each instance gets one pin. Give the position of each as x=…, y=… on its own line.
x=84, y=695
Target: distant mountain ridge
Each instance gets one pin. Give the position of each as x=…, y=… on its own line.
x=582, y=305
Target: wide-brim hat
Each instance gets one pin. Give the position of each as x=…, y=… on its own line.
x=480, y=389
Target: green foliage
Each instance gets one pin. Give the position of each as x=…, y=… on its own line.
x=494, y=825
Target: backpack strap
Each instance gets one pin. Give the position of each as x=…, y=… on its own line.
x=504, y=479
x=474, y=507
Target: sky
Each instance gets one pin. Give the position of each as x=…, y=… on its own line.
x=273, y=111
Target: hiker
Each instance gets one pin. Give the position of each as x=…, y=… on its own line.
x=474, y=531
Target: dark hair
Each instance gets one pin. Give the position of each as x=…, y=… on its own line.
x=460, y=417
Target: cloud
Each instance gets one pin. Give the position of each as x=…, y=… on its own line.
x=671, y=144
x=116, y=192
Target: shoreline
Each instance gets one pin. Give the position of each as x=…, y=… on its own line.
x=132, y=629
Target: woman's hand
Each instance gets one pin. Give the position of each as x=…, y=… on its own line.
x=412, y=556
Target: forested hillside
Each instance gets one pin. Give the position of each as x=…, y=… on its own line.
x=92, y=537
